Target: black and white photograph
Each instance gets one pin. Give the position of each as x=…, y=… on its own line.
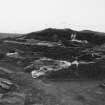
x=52, y=52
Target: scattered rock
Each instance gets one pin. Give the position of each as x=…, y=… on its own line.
x=13, y=99
x=5, y=84
x=102, y=85
x=43, y=65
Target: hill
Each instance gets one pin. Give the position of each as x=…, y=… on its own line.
x=5, y=35
x=52, y=67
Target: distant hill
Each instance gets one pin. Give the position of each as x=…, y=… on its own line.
x=5, y=35
x=53, y=34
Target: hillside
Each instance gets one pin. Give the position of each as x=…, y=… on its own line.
x=53, y=67
x=5, y=35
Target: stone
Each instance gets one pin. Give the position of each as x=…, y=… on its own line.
x=5, y=83
x=44, y=65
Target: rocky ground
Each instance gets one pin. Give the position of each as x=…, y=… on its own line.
x=53, y=67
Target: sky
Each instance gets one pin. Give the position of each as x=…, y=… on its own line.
x=23, y=16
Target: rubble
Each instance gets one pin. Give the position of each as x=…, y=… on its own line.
x=12, y=98
x=35, y=42
x=5, y=84
x=73, y=38
x=15, y=54
x=43, y=65
x=36, y=74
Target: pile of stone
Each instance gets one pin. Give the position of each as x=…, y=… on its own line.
x=43, y=65
x=5, y=84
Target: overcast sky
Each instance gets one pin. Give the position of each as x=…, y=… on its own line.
x=22, y=16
